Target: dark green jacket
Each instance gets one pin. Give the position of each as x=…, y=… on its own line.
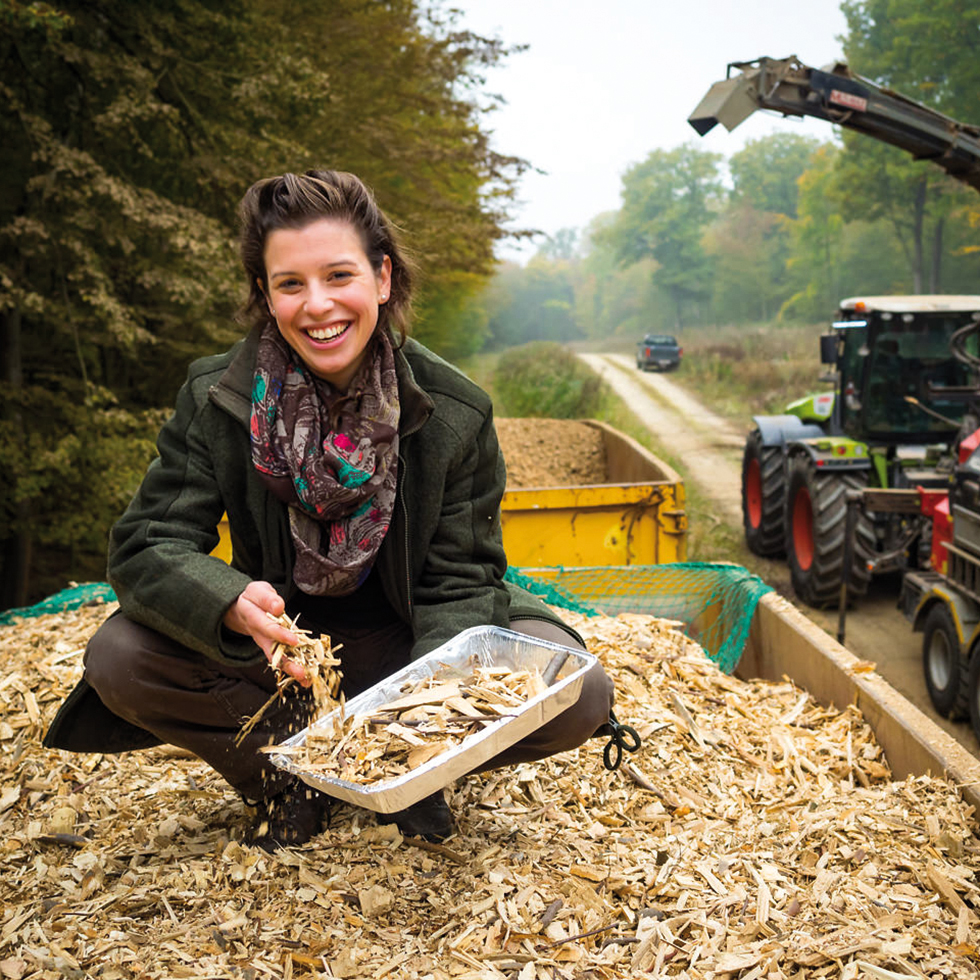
x=441, y=564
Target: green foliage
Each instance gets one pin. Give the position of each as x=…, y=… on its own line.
x=529, y=303
x=766, y=172
x=75, y=468
x=816, y=237
x=749, y=252
x=668, y=201
x=873, y=181
x=612, y=299
x=546, y=380
x=927, y=54
x=130, y=132
x=750, y=240
x=33, y=16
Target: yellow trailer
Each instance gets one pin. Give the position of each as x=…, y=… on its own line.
x=635, y=516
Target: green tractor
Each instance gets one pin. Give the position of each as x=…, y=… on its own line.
x=887, y=424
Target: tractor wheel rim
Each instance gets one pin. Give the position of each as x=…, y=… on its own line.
x=753, y=493
x=940, y=661
x=803, y=529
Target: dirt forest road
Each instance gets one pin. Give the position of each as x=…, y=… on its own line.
x=709, y=451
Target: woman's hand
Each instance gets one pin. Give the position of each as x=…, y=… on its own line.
x=254, y=613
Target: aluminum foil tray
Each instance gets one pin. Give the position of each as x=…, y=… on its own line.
x=479, y=646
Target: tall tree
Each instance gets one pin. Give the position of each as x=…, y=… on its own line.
x=816, y=241
x=668, y=201
x=750, y=240
x=874, y=182
x=533, y=302
x=766, y=172
x=929, y=54
x=129, y=133
x=926, y=51
x=749, y=252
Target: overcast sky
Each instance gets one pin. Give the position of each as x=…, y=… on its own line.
x=605, y=82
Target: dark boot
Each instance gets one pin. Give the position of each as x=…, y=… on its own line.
x=431, y=819
x=289, y=819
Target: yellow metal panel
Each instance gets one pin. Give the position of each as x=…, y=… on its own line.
x=223, y=549
x=638, y=521
x=638, y=524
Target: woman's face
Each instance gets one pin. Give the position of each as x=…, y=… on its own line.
x=325, y=295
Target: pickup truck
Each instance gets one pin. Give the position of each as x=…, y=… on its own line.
x=658, y=352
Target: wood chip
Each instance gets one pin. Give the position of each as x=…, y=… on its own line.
x=436, y=715
x=315, y=654
x=777, y=847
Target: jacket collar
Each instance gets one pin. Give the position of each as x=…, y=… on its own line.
x=233, y=390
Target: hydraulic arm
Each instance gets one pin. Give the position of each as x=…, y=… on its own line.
x=841, y=97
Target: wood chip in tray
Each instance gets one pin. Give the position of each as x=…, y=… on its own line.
x=433, y=716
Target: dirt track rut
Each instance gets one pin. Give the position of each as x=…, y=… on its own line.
x=709, y=449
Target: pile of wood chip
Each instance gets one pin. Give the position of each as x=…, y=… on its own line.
x=437, y=714
x=756, y=834
x=551, y=453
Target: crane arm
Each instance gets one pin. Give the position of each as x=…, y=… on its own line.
x=845, y=99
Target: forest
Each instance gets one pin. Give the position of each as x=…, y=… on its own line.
x=131, y=131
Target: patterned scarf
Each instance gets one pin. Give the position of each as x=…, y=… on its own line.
x=332, y=456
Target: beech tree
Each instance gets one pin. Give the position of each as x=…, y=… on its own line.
x=130, y=132
x=668, y=201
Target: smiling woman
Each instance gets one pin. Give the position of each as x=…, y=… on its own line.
x=324, y=295
x=362, y=480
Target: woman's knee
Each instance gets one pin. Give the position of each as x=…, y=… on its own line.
x=595, y=700
x=104, y=654
x=547, y=630
x=119, y=662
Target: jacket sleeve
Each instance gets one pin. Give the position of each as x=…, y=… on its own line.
x=159, y=551
x=461, y=584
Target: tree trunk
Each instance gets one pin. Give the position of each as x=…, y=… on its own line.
x=678, y=296
x=15, y=549
x=918, y=220
x=935, y=270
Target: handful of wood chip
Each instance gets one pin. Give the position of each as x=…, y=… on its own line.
x=432, y=716
x=316, y=655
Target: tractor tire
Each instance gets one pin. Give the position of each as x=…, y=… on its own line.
x=815, y=521
x=945, y=667
x=763, y=497
x=973, y=692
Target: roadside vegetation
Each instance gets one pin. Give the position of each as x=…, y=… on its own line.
x=554, y=379
x=740, y=371
x=546, y=380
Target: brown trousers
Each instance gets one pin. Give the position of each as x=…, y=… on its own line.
x=188, y=700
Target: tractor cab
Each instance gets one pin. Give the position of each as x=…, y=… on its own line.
x=899, y=382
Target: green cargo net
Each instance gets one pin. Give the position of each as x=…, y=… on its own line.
x=715, y=602
x=73, y=598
